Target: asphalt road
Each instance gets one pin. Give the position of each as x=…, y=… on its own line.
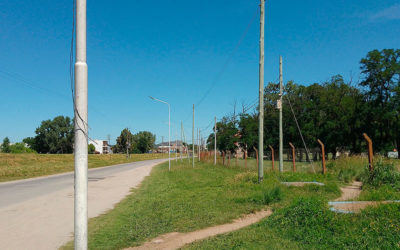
x=22, y=190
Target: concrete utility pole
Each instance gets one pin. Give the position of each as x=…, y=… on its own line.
x=280, y=115
x=261, y=97
x=81, y=130
x=215, y=140
x=193, y=139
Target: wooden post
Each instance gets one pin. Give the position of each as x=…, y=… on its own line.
x=370, y=152
x=293, y=156
x=323, y=156
x=272, y=156
x=256, y=155
x=223, y=158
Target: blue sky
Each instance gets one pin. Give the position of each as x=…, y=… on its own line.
x=175, y=51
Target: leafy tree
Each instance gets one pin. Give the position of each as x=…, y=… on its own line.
x=55, y=136
x=381, y=71
x=30, y=141
x=124, y=141
x=227, y=135
x=5, y=146
x=143, y=142
x=248, y=128
x=91, y=149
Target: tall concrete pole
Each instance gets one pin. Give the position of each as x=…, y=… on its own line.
x=280, y=115
x=81, y=130
x=261, y=98
x=193, y=139
x=215, y=140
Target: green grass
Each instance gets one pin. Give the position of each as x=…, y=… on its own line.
x=22, y=166
x=308, y=224
x=188, y=199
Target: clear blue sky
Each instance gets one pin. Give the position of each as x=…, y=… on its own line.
x=175, y=50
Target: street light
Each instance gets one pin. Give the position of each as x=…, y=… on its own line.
x=169, y=130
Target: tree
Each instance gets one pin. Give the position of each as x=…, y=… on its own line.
x=30, y=141
x=381, y=71
x=124, y=141
x=5, y=146
x=143, y=142
x=248, y=128
x=55, y=136
x=91, y=149
x=227, y=135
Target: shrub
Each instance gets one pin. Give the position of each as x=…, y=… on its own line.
x=382, y=174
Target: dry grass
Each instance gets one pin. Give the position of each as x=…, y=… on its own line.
x=22, y=166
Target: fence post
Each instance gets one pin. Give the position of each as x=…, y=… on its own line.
x=256, y=155
x=223, y=158
x=272, y=156
x=293, y=156
x=370, y=152
x=323, y=156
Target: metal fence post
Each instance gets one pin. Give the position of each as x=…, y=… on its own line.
x=272, y=156
x=323, y=156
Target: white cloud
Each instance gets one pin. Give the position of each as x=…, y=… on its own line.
x=390, y=13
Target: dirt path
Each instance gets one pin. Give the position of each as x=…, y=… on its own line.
x=177, y=240
x=47, y=222
x=350, y=192
x=346, y=204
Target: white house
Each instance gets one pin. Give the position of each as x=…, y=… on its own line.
x=101, y=146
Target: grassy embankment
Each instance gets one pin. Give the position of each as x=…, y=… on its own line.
x=22, y=166
x=187, y=199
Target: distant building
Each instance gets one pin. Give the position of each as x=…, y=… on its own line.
x=101, y=146
x=163, y=147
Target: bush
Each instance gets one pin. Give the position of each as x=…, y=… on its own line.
x=382, y=174
x=19, y=148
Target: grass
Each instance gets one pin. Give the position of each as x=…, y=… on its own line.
x=22, y=166
x=187, y=199
x=308, y=224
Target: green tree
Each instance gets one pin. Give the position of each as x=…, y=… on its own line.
x=30, y=141
x=143, y=142
x=227, y=135
x=248, y=129
x=55, y=136
x=381, y=71
x=124, y=141
x=5, y=146
x=91, y=149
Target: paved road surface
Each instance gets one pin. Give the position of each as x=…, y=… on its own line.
x=37, y=213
